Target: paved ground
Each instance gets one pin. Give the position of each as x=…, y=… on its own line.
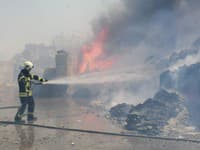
x=73, y=114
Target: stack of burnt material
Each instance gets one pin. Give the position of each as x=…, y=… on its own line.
x=120, y=112
x=150, y=117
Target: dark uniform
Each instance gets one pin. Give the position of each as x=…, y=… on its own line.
x=25, y=94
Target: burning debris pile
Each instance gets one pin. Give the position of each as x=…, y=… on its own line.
x=155, y=114
x=150, y=117
x=120, y=110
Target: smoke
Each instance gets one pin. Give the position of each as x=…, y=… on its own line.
x=140, y=25
x=134, y=93
x=189, y=60
x=142, y=28
x=6, y=73
x=111, y=76
x=136, y=30
x=187, y=23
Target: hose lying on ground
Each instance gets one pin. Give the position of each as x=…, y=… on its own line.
x=9, y=107
x=100, y=132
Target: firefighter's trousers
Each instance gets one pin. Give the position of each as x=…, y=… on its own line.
x=24, y=102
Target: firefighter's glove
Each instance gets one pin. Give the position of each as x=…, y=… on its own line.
x=43, y=80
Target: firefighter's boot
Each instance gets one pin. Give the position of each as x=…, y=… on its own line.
x=32, y=119
x=17, y=120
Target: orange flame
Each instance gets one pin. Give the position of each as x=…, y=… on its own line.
x=93, y=53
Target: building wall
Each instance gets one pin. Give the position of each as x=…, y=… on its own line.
x=66, y=64
x=61, y=63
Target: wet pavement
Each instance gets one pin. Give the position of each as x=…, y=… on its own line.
x=69, y=113
x=60, y=113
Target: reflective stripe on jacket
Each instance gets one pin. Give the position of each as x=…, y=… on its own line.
x=24, y=82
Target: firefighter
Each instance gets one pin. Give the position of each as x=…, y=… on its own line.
x=25, y=93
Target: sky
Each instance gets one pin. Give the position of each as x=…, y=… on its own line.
x=39, y=21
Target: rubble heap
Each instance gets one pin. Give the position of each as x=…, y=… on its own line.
x=120, y=110
x=150, y=117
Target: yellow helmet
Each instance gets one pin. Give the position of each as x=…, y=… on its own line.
x=28, y=65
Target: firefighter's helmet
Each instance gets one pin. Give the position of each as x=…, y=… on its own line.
x=28, y=65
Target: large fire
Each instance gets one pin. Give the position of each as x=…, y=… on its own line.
x=92, y=55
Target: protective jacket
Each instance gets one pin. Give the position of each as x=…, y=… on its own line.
x=24, y=82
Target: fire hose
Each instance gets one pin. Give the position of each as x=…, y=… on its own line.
x=99, y=132
x=92, y=131
x=10, y=107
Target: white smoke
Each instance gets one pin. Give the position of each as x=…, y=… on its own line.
x=189, y=60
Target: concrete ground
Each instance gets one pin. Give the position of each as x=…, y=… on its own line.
x=66, y=112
